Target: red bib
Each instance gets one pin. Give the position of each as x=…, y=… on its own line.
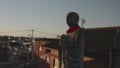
x=72, y=29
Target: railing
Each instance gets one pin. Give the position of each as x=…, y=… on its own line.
x=99, y=49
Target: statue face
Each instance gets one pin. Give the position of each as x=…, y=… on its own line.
x=72, y=19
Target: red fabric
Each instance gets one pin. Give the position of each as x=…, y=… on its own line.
x=72, y=29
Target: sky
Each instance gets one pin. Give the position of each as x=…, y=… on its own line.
x=48, y=17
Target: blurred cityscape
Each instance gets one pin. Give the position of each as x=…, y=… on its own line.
x=36, y=52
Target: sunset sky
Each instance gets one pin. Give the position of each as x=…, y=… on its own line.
x=49, y=16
